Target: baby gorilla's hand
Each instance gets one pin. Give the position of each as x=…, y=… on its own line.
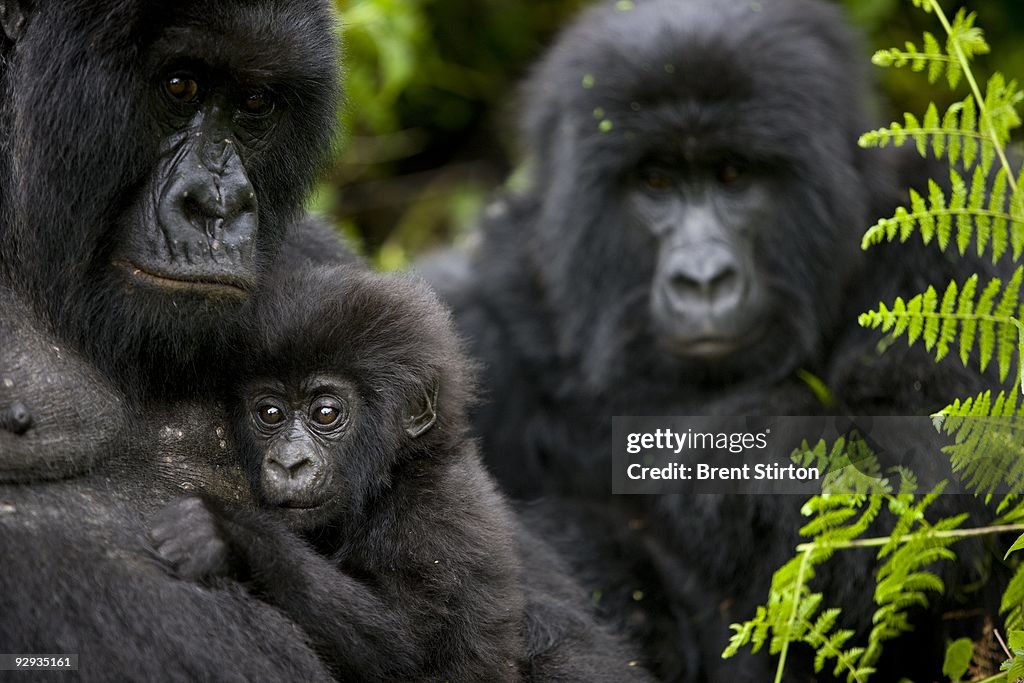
x=186, y=536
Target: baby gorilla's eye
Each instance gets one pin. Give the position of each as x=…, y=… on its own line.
x=326, y=415
x=257, y=103
x=182, y=88
x=328, y=411
x=269, y=414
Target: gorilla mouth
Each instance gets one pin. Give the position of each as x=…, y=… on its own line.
x=706, y=347
x=299, y=505
x=210, y=285
x=709, y=347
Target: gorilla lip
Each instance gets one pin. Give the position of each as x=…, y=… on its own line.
x=211, y=286
x=297, y=505
x=707, y=347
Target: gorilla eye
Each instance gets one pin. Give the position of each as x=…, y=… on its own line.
x=656, y=180
x=182, y=88
x=269, y=414
x=729, y=174
x=327, y=413
x=258, y=104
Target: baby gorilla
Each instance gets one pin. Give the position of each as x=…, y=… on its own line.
x=381, y=535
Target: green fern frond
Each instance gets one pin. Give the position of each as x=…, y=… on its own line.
x=956, y=136
x=1010, y=509
x=988, y=444
x=1001, y=116
x=964, y=40
x=1014, y=667
x=831, y=514
x=980, y=209
x=1012, y=604
x=930, y=55
x=795, y=614
x=998, y=327
x=903, y=581
x=848, y=467
x=981, y=216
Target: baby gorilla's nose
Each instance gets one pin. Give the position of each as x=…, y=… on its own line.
x=285, y=472
x=292, y=476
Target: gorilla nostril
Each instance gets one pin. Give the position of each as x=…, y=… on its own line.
x=707, y=285
x=197, y=211
x=682, y=282
x=275, y=472
x=702, y=274
x=281, y=472
x=301, y=470
x=724, y=282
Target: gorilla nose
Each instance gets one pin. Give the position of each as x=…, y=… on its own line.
x=221, y=208
x=289, y=471
x=704, y=275
x=216, y=202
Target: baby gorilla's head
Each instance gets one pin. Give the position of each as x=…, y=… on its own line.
x=351, y=379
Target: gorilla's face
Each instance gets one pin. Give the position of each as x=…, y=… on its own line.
x=317, y=450
x=192, y=227
x=700, y=190
x=298, y=435
x=160, y=152
x=707, y=299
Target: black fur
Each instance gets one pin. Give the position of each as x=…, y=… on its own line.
x=78, y=93
x=555, y=302
x=401, y=529
x=409, y=540
x=121, y=377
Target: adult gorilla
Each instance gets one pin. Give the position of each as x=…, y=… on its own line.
x=151, y=156
x=688, y=243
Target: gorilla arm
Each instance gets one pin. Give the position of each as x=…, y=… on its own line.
x=357, y=632
x=426, y=587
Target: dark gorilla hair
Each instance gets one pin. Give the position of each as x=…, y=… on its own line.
x=351, y=422
x=80, y=168
x=695, y=89
x=351, y=416
x=153, y=159
x=687, y=243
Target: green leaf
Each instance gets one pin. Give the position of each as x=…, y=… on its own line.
x=958, y=658
x=1017, y=545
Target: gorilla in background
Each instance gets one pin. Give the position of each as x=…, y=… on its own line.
x=350, y=413
x=152, y=158
x=688, y=244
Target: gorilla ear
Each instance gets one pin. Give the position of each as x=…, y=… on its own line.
x=424, y=412
x=14, y=17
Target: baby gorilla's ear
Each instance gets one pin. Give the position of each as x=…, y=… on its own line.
x=423, y=411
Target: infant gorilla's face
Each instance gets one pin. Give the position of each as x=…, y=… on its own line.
x=296, y=438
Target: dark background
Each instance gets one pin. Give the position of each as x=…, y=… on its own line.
x=432, y=84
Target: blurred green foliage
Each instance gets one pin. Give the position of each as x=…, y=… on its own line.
x=431, y=89
x=889, y=23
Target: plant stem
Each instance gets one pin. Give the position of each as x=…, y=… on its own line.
x=792, y=615
x=877, y=542
x=982, y=109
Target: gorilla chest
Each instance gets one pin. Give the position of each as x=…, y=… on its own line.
x=188, y=449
